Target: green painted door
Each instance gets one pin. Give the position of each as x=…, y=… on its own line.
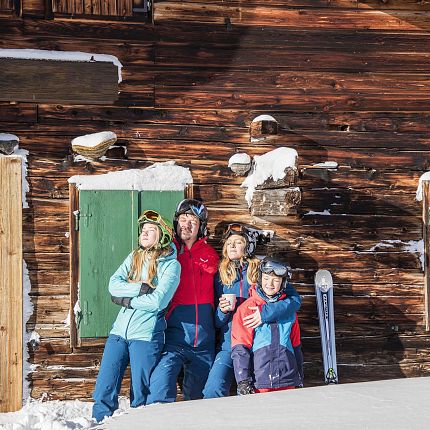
x=107, y=234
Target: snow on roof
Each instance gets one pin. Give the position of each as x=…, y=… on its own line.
x=93, y=139
x=158, y=177
x=424, y=177
x=272, y=164
x=41, y=54
x=240, y=158
x=7, y=136
x=264, y=118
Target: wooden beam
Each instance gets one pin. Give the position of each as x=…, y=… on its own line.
x=426, y=237
x=58, y=81
x=11, y=312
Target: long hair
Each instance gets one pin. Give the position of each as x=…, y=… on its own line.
x=142, y=256
x=228, y=268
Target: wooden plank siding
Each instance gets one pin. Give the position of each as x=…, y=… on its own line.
x=348, y=81
x=11, y=287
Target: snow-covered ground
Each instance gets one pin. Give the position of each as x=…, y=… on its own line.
x=398, y=404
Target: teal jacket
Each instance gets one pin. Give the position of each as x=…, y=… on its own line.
x=145, y=321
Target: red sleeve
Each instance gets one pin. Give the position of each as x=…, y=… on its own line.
x=241, y=335
x=295, y=333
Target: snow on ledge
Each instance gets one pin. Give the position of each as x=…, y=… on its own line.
x=41, y=54
x=264, y=118
x=6, y=137
x=165, y=176
x=424, y=177
x=240, y=158
x=327, y=165
x=271, y=164
x=93, y=139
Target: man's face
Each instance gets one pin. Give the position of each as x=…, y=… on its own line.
x=188, y=227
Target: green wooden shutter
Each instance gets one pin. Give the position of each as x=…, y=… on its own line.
x=108, y=233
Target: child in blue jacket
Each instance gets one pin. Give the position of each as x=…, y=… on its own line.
x=237, y=274
x=143, y=286
x=268, y=358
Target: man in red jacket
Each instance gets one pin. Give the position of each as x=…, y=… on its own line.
x=190, y=333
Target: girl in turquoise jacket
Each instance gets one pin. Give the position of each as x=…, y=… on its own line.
x=143, y=286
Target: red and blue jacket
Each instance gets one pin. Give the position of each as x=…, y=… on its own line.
x=269, y=356
x=190, y=320
x=269, y=312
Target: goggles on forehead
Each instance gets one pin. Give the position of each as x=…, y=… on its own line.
x=234, y=228
x=271, y=266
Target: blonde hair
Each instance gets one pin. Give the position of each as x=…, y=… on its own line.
x=228, y=269
x=149, y=256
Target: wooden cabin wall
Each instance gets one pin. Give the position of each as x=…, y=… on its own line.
x=348, y=81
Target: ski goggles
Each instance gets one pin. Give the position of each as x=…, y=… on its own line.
x=193, y=207
x=268, y=266
x=155, y=218
x=235, y=228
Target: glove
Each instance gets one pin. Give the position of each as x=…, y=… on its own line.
x=122, y=301
x=145, y=289
x=245, y=387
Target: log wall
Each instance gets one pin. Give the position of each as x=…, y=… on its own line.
x=348, y=81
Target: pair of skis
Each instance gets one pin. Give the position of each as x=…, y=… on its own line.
x=324, y=297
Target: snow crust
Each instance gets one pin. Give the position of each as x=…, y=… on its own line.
x=325, y=212
x=419, y=193
x=93, y=139
x=42, y=54
x=240, y=158
x=264, y=118
x=8, y=136
x=158, y=177
x=269, y=165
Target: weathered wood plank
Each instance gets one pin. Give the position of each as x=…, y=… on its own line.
x=74, y=82
x=11, y=285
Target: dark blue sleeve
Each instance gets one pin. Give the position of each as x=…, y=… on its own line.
x=241, y=357
x=299, y=359
x=273, y=312
x=221, y=318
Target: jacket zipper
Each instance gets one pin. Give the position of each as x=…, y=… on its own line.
x=195, y=302
x=126, y=329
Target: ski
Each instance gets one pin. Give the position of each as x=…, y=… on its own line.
x=324, y=297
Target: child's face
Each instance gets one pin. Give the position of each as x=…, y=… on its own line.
x=149, y=235
x=235, y=247
x=271, y=284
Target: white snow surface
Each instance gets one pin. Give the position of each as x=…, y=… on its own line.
x=424, y=177
x=8, y=136
x=325, y=212
x=269, y=165
x=158, y=177
x=327, y=165
x=396, y=404
x=43, y=54
x=93, y=139
x=264, y=118
x=240, y=158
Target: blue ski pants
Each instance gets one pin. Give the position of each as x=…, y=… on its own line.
x=196, y=364
x=220, y=377
x=118, y=353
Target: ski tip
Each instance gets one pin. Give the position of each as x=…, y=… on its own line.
x=323, y=279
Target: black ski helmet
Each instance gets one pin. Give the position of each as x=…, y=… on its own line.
x=271, y=266
x=193, y=207
x=251, y=236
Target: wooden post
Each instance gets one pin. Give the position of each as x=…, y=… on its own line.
x=11, y=312
x=426, y=238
